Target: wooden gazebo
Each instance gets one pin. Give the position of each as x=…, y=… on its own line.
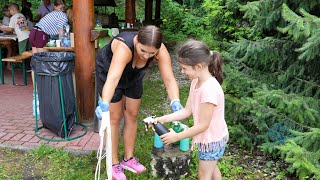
x=84, y=35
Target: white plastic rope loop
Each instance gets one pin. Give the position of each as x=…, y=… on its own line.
x=105, y=128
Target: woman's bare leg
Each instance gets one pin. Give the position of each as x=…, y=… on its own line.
x=130, y=125
x=116, y=111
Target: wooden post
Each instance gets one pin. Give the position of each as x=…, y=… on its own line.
x=130, y=11
x=23, y=4
x=83, y=21
x=158, y=8
x=148, y=11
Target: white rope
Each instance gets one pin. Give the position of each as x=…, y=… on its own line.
x=105, y=126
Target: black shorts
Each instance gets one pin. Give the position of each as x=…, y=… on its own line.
x=134, y=92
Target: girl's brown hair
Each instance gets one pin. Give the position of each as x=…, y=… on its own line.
x=195, y=52
x=150, y=36
x=58, y=2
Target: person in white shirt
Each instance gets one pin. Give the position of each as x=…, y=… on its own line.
x=18, y=25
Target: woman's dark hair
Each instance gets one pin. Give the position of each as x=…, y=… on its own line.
x=150, y=36
x=195, y=52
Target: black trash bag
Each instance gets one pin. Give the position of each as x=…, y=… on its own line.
x=49, y=66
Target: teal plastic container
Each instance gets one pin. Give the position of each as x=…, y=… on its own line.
x=185, y=144
x=157, y=141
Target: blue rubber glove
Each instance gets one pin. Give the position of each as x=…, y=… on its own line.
x=176, y=105
x=103, y=107
x=98, y=113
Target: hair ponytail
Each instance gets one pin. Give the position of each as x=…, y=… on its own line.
x=215, y=66
x=194, y=52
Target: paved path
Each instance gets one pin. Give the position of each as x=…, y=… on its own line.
x=17, y=123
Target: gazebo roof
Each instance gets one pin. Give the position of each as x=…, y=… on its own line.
x=105, y=3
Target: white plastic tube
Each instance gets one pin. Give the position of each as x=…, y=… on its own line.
x=105, y=129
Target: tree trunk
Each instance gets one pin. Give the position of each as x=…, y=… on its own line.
x=170, y=163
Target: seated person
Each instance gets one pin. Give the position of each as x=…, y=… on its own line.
x=6, y=16
x=26, y=11
x=113, y=20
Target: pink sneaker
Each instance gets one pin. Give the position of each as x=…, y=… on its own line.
x=117, y=172
x=133, y=165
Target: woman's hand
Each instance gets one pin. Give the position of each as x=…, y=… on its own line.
x=176, y=105
x=169, y=137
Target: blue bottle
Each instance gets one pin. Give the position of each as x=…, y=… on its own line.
x=157, y=142
x=184, y=143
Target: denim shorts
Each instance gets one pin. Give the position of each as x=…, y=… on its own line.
x=211, y=155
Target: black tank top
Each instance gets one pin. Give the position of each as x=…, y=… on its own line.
x=130, y=75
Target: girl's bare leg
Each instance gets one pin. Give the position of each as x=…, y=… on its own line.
x=207, y=170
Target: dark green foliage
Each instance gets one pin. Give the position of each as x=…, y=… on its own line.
x=304, y=154
x=259, y=115
x=181, y=21
x=274, y=83
x=224, y=20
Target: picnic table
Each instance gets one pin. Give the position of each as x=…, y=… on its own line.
x=58, y=49
x=5, y=40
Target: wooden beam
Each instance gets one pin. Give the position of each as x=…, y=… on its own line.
x=23, y=4
x=95, y=34
x=158, y=10
x=83, y=21
x=148, y=11
x=130, y=11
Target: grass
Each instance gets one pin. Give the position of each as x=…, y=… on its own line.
x=50, y=163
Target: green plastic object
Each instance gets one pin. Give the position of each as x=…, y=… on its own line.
x=102, y=41
x=176, y=126
x=98, y=27
x=51, y=44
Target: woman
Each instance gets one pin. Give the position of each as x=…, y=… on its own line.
x=120, y=67
x=49, y=25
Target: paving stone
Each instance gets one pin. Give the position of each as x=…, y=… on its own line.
x=17, y=137
x=17, y=124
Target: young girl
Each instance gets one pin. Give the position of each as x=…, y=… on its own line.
x=205, y=103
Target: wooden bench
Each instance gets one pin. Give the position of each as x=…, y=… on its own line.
x=13, y=60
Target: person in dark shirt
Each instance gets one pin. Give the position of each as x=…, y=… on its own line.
x=26, y=11
x=120, y=68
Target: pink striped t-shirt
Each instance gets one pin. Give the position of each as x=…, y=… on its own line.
x=217, y=133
